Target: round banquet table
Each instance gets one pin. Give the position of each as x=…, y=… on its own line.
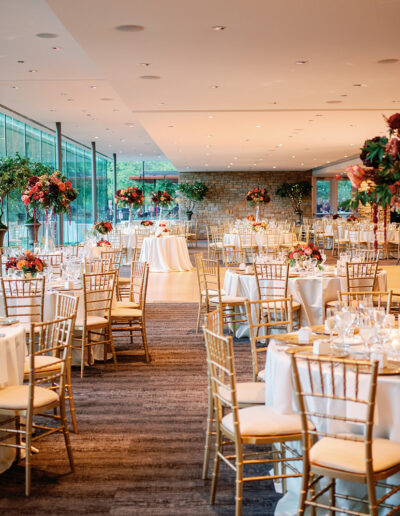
x=312, y=292
x=280, y=395
x=166, y=254
x=12, y=358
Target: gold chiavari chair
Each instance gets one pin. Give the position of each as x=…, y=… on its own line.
x=54, y=261
x=382, y=245
x=23, y=299
x=95, y=327
x=248, y=393
x=395, y=302
x=44, y=393
x=393, y=244
x=132, y=299
x=361, y=275
x=342, y=445
x=272, y=282
x=115, y=256
x=247, y=242
x=115, y=238
x=191, y=232
x=124, y=283
x=133, y=320
x=214, y=296
x=378, y=299
x=97, y=265
x=264, y=317
x=252, y=426
x=141, y=234
x=66, y=306
x=71, y=249
x=339, y=242
x=233, y=257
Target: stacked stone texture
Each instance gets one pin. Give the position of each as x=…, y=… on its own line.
x=226, y=197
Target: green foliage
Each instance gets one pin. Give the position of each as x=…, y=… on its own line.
x=295, y=192
x=193, y=192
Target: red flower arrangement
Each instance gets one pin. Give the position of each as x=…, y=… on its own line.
x=103, y=227
x=256, y=226
x=352, y=218
x=26, y=262
x=302, y=252
x=49, y=192
x=103, y=243
x=131, y=196
x=251, y=217
x=161, y=198
x=258, y=196
x=146, y=223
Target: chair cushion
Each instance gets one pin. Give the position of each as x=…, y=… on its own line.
x=126, y=304
x=229, y=299
x=92, y=320
x=261, y=375
x=350, y=455
x=212, y=292
x=295, y=305
x=332, y=304
x=16, y=397
x=126, y=313
x=246, y=392
x=263, y=420
x=124, y=281
x=45, y=364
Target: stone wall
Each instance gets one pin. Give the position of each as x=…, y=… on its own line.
x=226, y=197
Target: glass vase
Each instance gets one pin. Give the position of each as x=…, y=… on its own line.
x=258, y=213
x=49, y=233
x=160, y=216
x=130, y=216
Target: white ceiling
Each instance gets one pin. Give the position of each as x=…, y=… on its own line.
x=266, y=108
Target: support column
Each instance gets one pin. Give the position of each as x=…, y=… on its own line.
x=115, y=186
x=94, y=181
x=60, y=225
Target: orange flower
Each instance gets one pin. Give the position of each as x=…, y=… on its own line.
x=20, y=264
x=61, y=186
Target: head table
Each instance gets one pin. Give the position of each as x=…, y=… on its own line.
x=312, y=292
x=280, y=395
x=12, y=358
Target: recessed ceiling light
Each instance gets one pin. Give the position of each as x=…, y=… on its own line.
x=258, y=126
x=235, y=157
x=280, y=144
x=206, y=164
x=351, y=144
x=106, y=98
x=210, y=116
x=302, y=164
x=107, y=128
x=130, y=124
x=388, y=61
x=93, y=87
x=301, y=62
x=63, y=94
x=145, y=64
x=130, y=28
x=319, y=114
x=150, y=77
x=360, y=85
x=311, y=120
x=344, y=95
x=333, y=101
x=32, y=71
x=14, y=87
x=94, y=118
x=47, y=35
x=274, y=166
x=70, y=100
x=328, y=161
x=209, y=135
x=56, y=48
x=214, y=86
x=293, y=156
x=123, y=140
x=20, y=61
x=96, y=137
x=51, y=109
x=218, y=27
x=345, y=156
x=115, y=109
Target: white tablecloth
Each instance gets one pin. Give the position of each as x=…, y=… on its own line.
x=166, y=254
x=12, y=357
x=260, y=238
x=312, y=292
x=281, y=396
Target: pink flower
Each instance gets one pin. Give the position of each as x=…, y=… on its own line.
x=356, y=174
x=296, y=256
x=393, y=148
x=308, y=251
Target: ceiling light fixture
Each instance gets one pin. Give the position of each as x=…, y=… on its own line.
x=333, y=101
x=145, y=64
x=70, y=100
x=214, y=86
x=32, y=71
x=20, y=61
x=150, y=77
x=274, y=166
x=130, y=28
x=218, y=27
x=46, y=35
x=96, y=137
x=171, y=126
x=14, y=87
x=258, y=126
x=359, y=85
x=210, y=116
x=106, y=98
x=56, y=48
x=301, y=62
x=93, y=87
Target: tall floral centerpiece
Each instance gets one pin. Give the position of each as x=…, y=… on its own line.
x=162, y=199
x=257, y=197
x=132, y=197
x=103, y=227
x=53, y=193
x=378, y=180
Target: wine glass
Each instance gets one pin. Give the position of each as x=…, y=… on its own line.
x=330, y=322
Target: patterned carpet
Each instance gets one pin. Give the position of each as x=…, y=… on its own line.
x=140, y=446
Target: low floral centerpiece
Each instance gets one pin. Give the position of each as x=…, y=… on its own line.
x=26, y=262
x=251, y=217
x=51, y=192
x=103, y=243
x=259, y=226
x=146, y=223
x=131, y=197
x=257, y=197
x=303, y=252
x=352, y=218
x=103, y=227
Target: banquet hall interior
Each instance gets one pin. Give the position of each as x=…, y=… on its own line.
x=200, y=247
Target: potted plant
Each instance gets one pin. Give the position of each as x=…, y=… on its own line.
x=192, y=193
x=295, y=192
x=14, y=171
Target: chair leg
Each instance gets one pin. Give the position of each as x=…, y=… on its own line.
x=239, y=483
x=111, y=341
x=304, y=489
x=144, y=340
x=83, y=353
x=66, y=434
x=210, y=420
x=28, y=455
x=198, y=318
x=332, y=496
x=283, y=469
x=71, y=400
x=218, y=444
x=373, y=511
